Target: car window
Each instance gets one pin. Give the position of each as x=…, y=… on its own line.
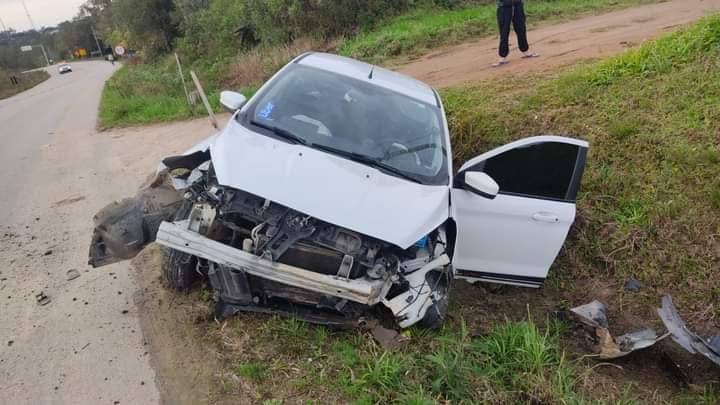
x=335, y=111
x=543, y=170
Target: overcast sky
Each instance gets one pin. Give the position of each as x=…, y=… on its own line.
x=43, y=12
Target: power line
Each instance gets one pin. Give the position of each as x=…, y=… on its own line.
x=32, y=24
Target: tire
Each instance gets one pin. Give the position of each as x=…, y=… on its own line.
x=437, y=312
x=179, y=268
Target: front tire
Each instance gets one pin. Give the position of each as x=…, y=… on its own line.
x=437, y=312
x=179, y=268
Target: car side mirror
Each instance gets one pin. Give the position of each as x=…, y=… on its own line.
x=481, y=184
x=232, y=100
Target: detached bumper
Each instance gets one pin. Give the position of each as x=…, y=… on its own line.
x=177, y=236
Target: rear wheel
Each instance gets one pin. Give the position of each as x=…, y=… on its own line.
x=179, y=268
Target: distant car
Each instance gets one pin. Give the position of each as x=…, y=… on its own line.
x=64, y=69
x=332, y=190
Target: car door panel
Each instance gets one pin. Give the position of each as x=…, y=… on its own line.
x=517, y=241
x=515, y=237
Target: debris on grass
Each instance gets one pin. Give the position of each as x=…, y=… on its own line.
x=593, y=314
x=389, y=339
x=683, y=336
x=633, y=285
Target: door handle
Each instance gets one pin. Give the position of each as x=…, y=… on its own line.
x=545, y=217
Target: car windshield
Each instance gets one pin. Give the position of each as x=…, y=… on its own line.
x=354, y=119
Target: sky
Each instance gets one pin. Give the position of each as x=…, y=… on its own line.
x=43, y=12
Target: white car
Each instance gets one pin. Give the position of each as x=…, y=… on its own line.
x=332, y=191
x=64, y=69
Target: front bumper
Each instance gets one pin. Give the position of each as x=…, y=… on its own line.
x=177, y=236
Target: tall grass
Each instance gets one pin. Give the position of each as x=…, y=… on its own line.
x=153, y=92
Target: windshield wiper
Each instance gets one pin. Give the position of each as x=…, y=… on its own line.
x=366, y=160
x=281, y=132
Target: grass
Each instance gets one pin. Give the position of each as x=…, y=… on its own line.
x=648, y=209
x=514, y=362
x=421, y=30
x=146, y=93
x=26, y=81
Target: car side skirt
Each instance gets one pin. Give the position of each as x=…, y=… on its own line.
x=177, y=236
x=520, y=281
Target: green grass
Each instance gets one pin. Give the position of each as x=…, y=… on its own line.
x=152, y=92
x=26, y=81
x=515, y=362
x=255, y=371
x=421, y=30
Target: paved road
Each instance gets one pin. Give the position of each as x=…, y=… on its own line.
x=85, y=345
x=28, y=121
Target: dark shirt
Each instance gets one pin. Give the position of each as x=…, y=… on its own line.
x=507, y=3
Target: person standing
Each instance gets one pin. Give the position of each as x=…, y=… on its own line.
x=512, y=12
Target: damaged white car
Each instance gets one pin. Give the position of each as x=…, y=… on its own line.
x=332, y=191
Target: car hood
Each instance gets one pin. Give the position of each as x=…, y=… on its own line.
x=328, y=187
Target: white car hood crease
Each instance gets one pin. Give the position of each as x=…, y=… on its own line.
x=330, y=188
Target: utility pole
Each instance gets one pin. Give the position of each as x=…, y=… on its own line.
x=32, y=24
x=96, y=40
x=2, y=23
x=44, y=54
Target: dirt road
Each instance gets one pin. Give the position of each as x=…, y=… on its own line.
x=559, y=45
x=85, y=345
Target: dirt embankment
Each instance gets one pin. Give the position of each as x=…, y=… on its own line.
x=559, y=45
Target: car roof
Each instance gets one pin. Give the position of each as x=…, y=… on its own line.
x=372, y=74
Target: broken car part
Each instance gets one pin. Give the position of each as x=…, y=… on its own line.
x=594, y=315
x=331, y=191
x=683, y=336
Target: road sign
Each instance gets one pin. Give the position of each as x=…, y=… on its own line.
x=26, y=48
x=119, y=50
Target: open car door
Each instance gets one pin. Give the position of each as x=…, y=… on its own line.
x=512, y=234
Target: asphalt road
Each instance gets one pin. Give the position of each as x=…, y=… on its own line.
x=83, y=344
x=28, y=121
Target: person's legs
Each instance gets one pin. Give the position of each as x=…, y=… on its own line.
x=504, y=18
x=519, y=25
x=518, y=22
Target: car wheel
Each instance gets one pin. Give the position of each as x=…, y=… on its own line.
x=179, y=268
x=437, y=312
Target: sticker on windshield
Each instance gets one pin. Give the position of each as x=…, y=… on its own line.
x=266, y=111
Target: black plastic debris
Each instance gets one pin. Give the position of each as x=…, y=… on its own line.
x=633, y=285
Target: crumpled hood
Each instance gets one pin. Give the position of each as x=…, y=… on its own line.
x=328, y=187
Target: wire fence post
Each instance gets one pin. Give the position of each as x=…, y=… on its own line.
x=204, y=98
x=182, y=78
